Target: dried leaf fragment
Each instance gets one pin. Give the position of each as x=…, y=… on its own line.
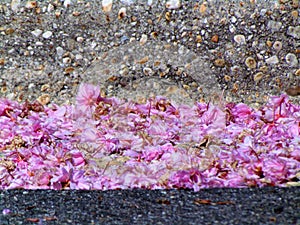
x=203, y=7
x=69, y=70
x=202, y=201
x=44, y=99
x=198, y=201
x=143, y=60
x=163, y=201
x=34, y=220
x=293, y=91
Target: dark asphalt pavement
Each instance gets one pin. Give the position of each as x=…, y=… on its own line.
x=270, y=205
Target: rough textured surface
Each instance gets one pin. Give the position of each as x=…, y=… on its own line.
x=154, y=68
x=208, y=206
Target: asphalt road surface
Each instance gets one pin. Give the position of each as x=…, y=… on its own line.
x=271, y=205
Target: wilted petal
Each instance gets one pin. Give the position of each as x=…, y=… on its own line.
x=78, y=159
x=274, y=168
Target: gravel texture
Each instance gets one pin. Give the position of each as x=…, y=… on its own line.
x=208, y=206
x=248, y=49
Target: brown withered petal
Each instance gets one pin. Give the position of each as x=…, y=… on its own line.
x=143, y=60
x=209, y=202
x=34, y=220
x=163, y=201
x=69, y=70
x=202, y=201
x=50, y=218
x=215, y=39
x=293, y=91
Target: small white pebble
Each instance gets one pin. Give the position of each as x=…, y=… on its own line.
x=150, y=2
x=55, y=26
x=50, y=8
x=47, y=34
x=173, y=4
x=93, y=44
x=78, y=57
x=10, y=96
x=14, y=5
x=36, y=32
x=66, y=60
x=291, y=59
x=11, y=51
x=38, y=43
x=232, y=28
x=259, y=56
x=107, y=5
x=233, y=19
x=80, y=39
x=59, y=51
x=263, y=12
x=143, y=39
x=31, y=86
x=147, y=71
x=294, y=31
x=67, y=3
x=272, y=60
x=127, y=2
x=274, y=26
x=240, y=39
x=44, y=9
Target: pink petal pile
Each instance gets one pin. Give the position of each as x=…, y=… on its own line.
x=107, y=143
